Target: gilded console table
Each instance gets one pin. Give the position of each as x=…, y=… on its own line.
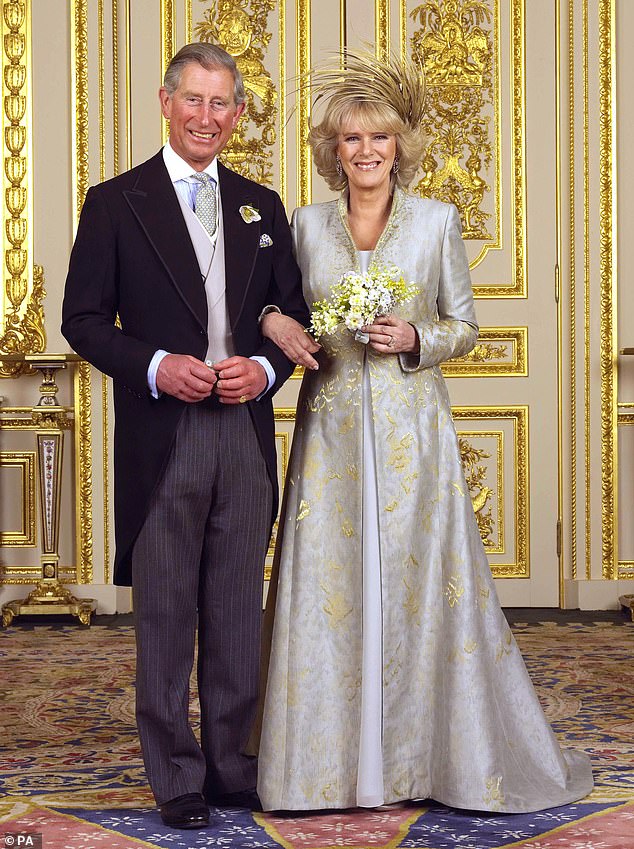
x=50, y=596
x=627, y=600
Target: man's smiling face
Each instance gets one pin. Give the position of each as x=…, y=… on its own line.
x=202, y=113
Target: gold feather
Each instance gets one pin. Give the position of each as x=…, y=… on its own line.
x=399, y=84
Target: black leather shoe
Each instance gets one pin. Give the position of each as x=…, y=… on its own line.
x=241, y=799
x=188, y=811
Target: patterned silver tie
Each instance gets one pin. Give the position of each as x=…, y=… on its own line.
x=205, y=204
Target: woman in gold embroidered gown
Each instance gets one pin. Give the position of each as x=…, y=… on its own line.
x=393, y=674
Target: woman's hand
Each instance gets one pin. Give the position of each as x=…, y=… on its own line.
x=290, y=336
x=392, y=335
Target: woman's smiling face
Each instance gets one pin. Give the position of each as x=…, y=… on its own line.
x=367, y=156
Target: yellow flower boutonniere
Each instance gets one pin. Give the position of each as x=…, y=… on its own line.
x=249, y=214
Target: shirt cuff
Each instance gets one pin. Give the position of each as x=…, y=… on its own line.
x=152, y=370
x=270, y=373
x=268, y=309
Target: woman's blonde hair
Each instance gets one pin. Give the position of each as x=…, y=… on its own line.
x=386, y=97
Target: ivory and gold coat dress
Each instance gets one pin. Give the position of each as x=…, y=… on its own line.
x=459, y=720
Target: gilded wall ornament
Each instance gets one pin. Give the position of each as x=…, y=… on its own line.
x=22, y=326
x=475, y=476
x=456, y=51
x=240, y=27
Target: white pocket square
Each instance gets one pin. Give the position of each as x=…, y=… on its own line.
x=265, y=240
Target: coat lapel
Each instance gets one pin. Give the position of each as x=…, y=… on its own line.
x=242, y=240
x=154, y=203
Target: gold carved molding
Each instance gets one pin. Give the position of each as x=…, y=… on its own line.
x=24, y=461
x=518, y=416
x=22, y=326
x=167, y=41
x=608, y=298
x=304, y=164
x=382, y=28
x=499, y=352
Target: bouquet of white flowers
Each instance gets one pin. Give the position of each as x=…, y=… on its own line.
x=357, y=299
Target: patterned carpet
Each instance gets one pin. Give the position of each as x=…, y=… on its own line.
x=70, y=766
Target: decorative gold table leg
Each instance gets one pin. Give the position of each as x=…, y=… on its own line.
x=627, y=601
x=49, y=596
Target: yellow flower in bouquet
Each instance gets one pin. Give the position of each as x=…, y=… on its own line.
x=357, y=299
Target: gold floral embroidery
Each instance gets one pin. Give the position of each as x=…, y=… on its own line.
x=411, y=605
x=391, y=506
x=470, y=646
x=336, y=607
x=505, y=647
x=304, y=510
x=454, y=591
x=347, y=424
x=392, y=667
x=494, y=795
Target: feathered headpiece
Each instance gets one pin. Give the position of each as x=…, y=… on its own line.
x=399, y=84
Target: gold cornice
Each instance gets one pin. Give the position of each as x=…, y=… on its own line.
x=21, y=314
x=304, y=159
x=285, y=414
x=607, y=263
x=382, y=28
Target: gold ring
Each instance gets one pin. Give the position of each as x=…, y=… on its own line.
x=390, y=344
x=243, y=399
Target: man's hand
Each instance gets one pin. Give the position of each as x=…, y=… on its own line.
x=239, y=379
x=185, y=378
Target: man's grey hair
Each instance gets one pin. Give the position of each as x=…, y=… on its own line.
x=212, y=58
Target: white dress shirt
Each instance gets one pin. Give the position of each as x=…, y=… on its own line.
x=187, y=187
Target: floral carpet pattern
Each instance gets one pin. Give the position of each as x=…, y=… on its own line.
x=71, y=770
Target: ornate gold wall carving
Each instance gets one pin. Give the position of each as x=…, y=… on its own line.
x=455, y=46
x=517, y=470
x=460, y=44
x=500, y=352
x=22, y=316
x=25, y=462
x=478, y=478
x=240, y=27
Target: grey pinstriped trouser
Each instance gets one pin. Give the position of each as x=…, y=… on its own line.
x=198, y=565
